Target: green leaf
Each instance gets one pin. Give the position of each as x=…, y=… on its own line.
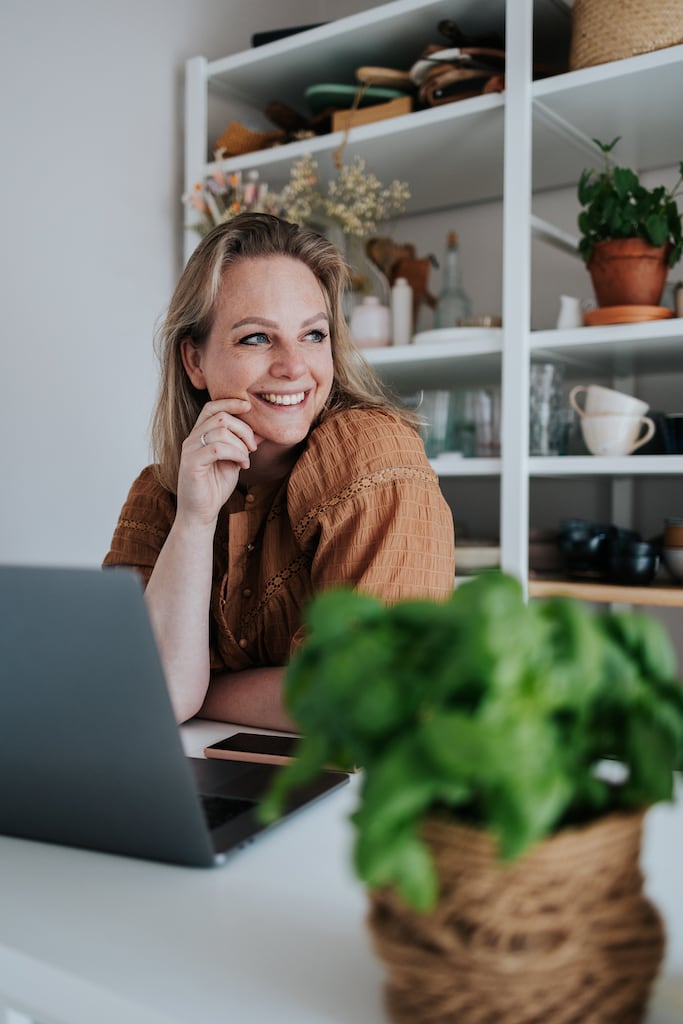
x=625, y=182
x=406, y=864
x=645, y=640
x=657, y=229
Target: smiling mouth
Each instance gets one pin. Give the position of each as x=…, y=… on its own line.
x=296, y=398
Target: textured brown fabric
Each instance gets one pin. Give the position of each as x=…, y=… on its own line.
x=361, y=507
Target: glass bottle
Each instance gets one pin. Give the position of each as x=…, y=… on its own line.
x=453, y=303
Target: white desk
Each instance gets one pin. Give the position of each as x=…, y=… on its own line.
x=276, y=936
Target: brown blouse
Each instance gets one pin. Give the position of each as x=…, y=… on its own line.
x=361, y=507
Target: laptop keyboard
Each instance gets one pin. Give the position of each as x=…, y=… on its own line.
x=219, y=809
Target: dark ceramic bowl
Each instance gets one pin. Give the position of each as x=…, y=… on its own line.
x=584, y=545
x=632, y=562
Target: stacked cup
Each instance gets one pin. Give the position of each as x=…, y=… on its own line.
x=612, y=423
x=672, y=549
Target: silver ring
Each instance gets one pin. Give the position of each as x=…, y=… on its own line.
x=203, y=440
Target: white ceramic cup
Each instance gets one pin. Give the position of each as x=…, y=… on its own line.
x=600, y=401
x=616, y=435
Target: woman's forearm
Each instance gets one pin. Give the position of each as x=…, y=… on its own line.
x=177, y=597
x=250, y=697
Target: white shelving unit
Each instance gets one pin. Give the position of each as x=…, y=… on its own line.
x=533, y=137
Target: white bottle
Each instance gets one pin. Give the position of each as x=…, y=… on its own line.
x=401, y=312
x=370, y=323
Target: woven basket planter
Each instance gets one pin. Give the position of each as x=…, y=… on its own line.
x=604, y=30
x=564, y=935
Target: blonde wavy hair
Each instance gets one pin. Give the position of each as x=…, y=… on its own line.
x=191, y=314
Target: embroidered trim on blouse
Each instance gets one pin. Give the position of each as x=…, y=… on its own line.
x=363, y=483
x=137, y=524
x=272, y=587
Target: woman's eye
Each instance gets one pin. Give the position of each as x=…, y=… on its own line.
x=254, y=339
x=316, y=336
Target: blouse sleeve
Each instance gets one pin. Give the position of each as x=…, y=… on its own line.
x=367, y=507
x=143, y=525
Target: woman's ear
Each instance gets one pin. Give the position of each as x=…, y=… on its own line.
x=191, y=356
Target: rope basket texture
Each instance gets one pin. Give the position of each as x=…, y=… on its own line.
x=604, y=30
x=563, y=935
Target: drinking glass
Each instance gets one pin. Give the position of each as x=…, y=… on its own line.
x=546, y=420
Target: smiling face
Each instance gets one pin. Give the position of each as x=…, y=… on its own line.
x=269, y=343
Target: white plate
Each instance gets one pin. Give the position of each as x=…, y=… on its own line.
x=471, y=556
x=442, y=334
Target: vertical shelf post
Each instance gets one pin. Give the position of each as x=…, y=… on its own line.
x=196, y=133
x=514, y=486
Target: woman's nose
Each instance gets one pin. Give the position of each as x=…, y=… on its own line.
x=288, y=362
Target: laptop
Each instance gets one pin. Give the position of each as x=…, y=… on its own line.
x=90, y=752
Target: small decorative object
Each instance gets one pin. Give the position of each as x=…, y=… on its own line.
x=508, y=752
x=570, y=313
x=452, y=303
x=371, y=323
x=396, y=260
x=630, y=235
x=238, y=139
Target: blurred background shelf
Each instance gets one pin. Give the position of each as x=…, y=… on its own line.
x=668, y=595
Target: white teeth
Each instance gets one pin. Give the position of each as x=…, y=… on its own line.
x=295, y=399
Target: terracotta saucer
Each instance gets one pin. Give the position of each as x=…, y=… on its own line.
x=625, y=315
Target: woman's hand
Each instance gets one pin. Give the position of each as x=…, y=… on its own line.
x=213, y=454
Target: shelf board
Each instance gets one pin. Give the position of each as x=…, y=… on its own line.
x=615, y=350
x=591, y=465
x=656, y=594
x=450, y=465
x=464, y=143
x=447, y=364
x=626, y=98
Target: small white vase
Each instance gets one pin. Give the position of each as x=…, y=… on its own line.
x=571, y=313
x=371, y=323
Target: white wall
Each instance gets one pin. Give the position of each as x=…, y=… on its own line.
x=90, y=178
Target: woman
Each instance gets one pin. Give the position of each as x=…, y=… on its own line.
x=281, y=469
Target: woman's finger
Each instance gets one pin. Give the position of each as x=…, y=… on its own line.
x=222, y=419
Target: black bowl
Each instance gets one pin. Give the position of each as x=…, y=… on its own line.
x=584, y=545
x=632, y=562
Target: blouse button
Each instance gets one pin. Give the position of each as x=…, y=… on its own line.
x=247, y=592
x=243, y=643
x=251, y=547
x=250, y=498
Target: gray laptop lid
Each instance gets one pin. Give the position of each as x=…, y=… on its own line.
x=90, y=753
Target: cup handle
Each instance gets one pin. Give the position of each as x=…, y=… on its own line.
x=573, y=399
x=649, y=431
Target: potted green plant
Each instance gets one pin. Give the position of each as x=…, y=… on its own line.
x=630, y=235
x=508, y=751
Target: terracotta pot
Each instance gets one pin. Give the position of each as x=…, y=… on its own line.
x=628, y=272
x=564, y=928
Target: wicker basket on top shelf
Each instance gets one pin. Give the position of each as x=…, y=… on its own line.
x=605, y=30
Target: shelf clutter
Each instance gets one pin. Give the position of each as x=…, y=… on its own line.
x=473, y=166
